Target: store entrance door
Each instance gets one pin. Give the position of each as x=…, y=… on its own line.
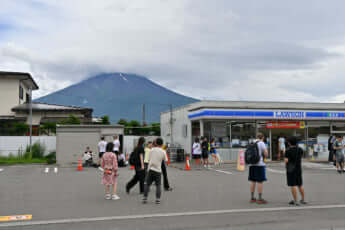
x=276, y=134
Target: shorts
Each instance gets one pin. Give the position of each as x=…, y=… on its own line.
x=196, y=156
x=100, y=155
x=257, y=174
x=339, y=157
x=282, y=148
x=213, y=152
x=205, y=154
x=294, y=179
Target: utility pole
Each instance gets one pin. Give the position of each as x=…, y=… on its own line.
x=171, y=124
x=30, y=116
x=144, y=115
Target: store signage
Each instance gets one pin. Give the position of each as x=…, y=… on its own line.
x=268, y=114
x=285, y=125
x=289, y=114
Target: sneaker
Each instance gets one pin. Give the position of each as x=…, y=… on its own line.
x=209, y=166
x=339, y=171
x=115, y=197
x=158, y=201
x=108, y=197
x=293, y=203
x=303, y=202
x=253, y=200
x=101, y=169
x=168, y=189
x=144, y=200
x=262, y=201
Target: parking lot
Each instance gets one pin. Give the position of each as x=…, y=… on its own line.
x=215, y=198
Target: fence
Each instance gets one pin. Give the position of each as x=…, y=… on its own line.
x=13, y=144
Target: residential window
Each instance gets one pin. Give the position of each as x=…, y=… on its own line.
x=21, y=93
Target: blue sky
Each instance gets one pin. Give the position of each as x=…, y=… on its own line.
x=225, y=49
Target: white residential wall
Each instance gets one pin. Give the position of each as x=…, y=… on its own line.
x=180, y=121
x=9, y=94
x=129, y=142
x=11, y=144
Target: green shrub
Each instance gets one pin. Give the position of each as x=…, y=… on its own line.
x=37, y=151
x=51, y=157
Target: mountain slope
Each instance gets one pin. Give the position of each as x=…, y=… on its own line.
x=119, y=95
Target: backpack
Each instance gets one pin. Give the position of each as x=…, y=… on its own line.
x=133, y=158
x=251, y=154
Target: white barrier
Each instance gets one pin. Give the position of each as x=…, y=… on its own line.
x=12, y=144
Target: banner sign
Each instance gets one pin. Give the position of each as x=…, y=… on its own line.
x=267, y=114
x=285, y=125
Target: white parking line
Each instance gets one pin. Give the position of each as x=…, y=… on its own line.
x=46, y=170
x=1, y=170
x=221, y=171
x=55, y=170
x=275, y=171
x=176, y=214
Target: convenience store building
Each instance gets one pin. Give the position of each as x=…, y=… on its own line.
x=234, y=124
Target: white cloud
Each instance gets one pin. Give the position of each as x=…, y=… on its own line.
x=233, y=50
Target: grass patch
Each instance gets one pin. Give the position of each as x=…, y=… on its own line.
x=14, y=161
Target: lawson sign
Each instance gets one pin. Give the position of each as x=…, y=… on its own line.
x=267, y=114
x=289, y=115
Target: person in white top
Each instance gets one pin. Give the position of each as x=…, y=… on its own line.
x=257, y=172
x=282, y=147
x=196, y=151
x=156, y=157
x=117, y=145
x=101, y=149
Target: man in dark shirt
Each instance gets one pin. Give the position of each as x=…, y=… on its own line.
x=293, y=161
x=204, y=148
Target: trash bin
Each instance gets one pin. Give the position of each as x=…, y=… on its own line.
x=180, y=155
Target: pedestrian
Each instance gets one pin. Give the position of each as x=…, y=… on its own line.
x=339, y=153
x=110, y=172
x=165, y=172
x=213, y=152
x=101, y=149
x=257, y=172
x=147, y=154
x=196, y=151
x=88, y=157
x=157, y=156
x=331, y=151
x=293, y=162
x=139, y=167
x=204, y=147
x=117, y=145
x=282, y=147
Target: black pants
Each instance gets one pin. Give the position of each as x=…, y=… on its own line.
x=138, y=177
x=165, y=176
x=151, y=177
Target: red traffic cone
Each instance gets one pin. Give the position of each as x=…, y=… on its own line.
x=132, y=167
x=187, y=167
x=168, y=163
x=80, y=165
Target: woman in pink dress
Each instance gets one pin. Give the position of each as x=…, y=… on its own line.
x=110, y=174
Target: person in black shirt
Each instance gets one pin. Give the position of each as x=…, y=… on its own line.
x=204, y=149
x=293, y=161
x=139, y=167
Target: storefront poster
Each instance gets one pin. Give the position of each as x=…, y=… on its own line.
x=285, y=125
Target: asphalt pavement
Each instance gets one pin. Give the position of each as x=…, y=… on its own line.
x=215, y=198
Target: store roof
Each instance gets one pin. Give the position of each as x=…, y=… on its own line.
x=24, y=77
x=264, y=105
x=49, y=107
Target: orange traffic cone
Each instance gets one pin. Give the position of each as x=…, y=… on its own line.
x=187, y=167
x=80, y=166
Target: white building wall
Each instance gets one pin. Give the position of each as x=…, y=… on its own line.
x=11, y=144
x=9, y=94
x=181, y=128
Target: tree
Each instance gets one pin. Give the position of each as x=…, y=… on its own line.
x=48, y=127
x=20, y=128
x=133, y=127
x=156, y=129
x=72, y=120
x=105, y=120
x=122, y=122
